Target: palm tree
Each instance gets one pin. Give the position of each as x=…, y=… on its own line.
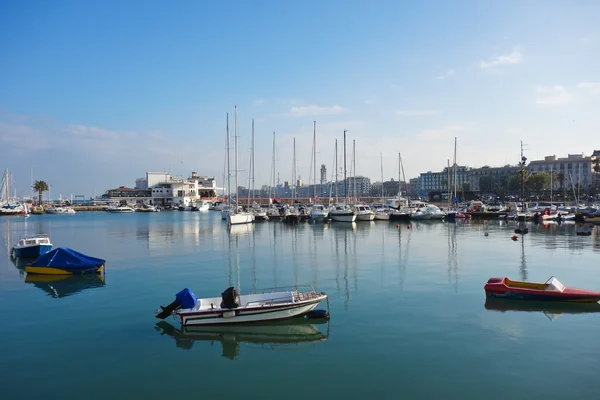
x=40, y=187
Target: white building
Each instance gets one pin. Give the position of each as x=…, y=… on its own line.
x=575, y=168
x=167, y=190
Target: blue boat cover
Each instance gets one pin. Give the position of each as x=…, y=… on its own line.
x=186, y=298
x=65, y=258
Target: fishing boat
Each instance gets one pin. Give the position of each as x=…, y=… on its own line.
x=31, y=247
x=64, y=261
x=233, y=308
x=551, y=290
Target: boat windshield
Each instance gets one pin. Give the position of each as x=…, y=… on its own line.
x=554, y=285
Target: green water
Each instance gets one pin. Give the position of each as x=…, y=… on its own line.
x=407, y=311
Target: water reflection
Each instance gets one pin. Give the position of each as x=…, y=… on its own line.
x=21, y=262
x=523, y=264
x=284, y=334
x=59, y=286
x=551, y=309
x=452, y=256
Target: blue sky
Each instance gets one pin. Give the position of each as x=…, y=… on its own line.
x=95, y=93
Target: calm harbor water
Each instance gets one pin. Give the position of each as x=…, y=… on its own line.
x=408, y=314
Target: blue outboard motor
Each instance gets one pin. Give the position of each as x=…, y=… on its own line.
x=183, y=299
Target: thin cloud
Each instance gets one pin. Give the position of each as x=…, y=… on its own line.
x=553, y=95
x=445, y=75
x=259, y=102
x=513, y=58
x=590, y=87
x=415, y=113
x=312, y=110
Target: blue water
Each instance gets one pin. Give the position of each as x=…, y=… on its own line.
x=407, y=311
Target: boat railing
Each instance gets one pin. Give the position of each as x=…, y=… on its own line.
x=306, y=288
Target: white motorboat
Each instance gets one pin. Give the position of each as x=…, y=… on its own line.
x=342, y=213
x=234, y=218
x=435, y=211
x=31, y=247
x=233, y=308
x=382, y=213
x=420, y=214
x=203, y=205
x=147, y=208
x=363, y=212
x=120, y=209
x=60, y=210
x=318, y=212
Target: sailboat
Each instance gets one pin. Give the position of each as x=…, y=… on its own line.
x=273, y=212
x=317, y=212
x=259, y=213
x=382, y=213
x=7, y=205
x=401, y=206
x=342, y=212
x=292, y=215
x=235, y=216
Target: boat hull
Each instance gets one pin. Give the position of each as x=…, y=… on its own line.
x=62, y=271
x=248, y=315
x=241, y=218
x=31, y=251
x=497, y=287
x=345, y=217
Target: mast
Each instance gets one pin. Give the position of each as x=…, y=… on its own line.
x=354, y=166
x=551, y=185
x=455, y=177
x=381, y=159
x=235, y=138
x=345, y=183
x=273, y=182
x=315, y=160
x=228, y=165
x=403, y=177
x=251, y=169
x=399, y=177
x=294, y=180
x=448, y=188
x=336, y=172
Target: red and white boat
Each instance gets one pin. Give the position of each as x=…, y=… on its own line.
x=551, y=290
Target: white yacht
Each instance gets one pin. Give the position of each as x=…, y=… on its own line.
x=318, y=212
x=382, y=213
x=60, y=210
x=342, y=213
x=120, y=209
x=363, y=212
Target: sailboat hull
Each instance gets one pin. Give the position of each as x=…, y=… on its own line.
x=241, y=218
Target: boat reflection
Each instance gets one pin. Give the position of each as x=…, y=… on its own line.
x=266, y=335
x=551, y=309
x=21, y=262
x=59, y=286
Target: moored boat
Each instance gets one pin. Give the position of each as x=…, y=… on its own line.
x=31, y=247
x=65, y=261
x=551, y=290
x=233, y=308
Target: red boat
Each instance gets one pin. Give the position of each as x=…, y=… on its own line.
x=552, y=290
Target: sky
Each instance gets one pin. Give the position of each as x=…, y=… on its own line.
x=93, y=94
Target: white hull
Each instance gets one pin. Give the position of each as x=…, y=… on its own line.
x=203, y=207
x=249, y=315
x=382, y=216
x=241, y=218
x=60, y=210
x=120, y=209
x=342, y=217
x=365, y=217
x=318, y=215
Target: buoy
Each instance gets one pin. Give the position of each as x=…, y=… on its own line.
x=317, y=314
x=408, y=227
x=397, y=226
x=485, y=222
x=515, y=238
x=485, y=234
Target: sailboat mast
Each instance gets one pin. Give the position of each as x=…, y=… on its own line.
x=449, y=193
x=345, y=183
x=354, y=166
x=315, y=159
x=273, y=182
x=251, y=169
x=454, y=167
x=294, y=181
x=336, y=172
x=228, y=165
x=403, y=177
x=381, y=159
x=235, y=138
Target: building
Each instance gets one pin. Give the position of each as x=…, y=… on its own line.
x=126, y=195
x=442, y=181
x=167, y=190
x=491, y=179
x=413, y=186
x=323, y=174
x=575, y=169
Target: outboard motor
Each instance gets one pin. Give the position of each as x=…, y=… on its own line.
x=183, y=299
x=231, y=298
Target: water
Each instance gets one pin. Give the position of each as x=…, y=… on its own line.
x=407, y=305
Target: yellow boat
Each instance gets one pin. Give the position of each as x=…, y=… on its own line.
x=64, y=261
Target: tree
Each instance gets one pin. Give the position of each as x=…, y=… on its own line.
x=538, y=181
x=514, y=182
x=40, y=187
